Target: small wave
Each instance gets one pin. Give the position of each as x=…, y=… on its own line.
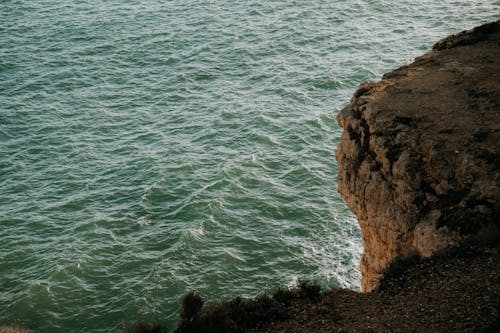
x=233, y=254
x=167, y=147
x=195, y=234
x=144, y=221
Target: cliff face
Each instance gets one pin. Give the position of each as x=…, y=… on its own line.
x=419, y=159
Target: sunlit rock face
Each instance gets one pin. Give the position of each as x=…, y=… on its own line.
x=419, y=159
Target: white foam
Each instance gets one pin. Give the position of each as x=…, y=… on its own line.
x=143, y=221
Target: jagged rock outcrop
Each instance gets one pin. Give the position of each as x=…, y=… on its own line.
x=419, y=159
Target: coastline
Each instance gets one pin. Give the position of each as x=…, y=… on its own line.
x=419, y=156
x=429, y=215
x=419, y=166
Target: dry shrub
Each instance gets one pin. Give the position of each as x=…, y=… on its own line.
x=191, y=304
x=239, y=315
x=142, y=326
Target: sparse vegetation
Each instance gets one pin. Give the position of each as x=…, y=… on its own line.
x=239, y=315
x=142, y=326
x=191, y=304
x=308, y=290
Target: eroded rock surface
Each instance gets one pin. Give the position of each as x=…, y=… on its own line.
x=419, y=159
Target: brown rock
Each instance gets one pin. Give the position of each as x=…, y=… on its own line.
x=419, y=159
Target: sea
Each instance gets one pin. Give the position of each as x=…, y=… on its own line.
x=149, y=148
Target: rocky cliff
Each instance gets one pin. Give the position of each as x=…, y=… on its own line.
x=419, y=164
x=419, y=158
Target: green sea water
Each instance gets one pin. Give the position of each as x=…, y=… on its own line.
x=148, y=148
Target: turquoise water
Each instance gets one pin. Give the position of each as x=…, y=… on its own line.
x=149, y=147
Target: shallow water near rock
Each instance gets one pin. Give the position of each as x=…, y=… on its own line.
x=149, y=148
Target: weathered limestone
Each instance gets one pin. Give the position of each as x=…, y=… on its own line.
x=419, y=159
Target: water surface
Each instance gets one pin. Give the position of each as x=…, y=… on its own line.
x=152, y=147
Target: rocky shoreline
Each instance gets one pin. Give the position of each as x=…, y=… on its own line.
x=419, y=165
x=419, y=157
x=455, y=291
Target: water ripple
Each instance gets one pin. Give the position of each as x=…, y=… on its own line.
x=148, y=148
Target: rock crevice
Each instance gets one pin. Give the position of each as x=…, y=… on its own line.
x=419, y=160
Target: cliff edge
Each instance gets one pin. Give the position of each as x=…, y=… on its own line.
x=419, y=165
x=419, y=158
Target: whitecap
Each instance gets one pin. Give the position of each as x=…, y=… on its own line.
x=143, y=221
x=195, y=233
